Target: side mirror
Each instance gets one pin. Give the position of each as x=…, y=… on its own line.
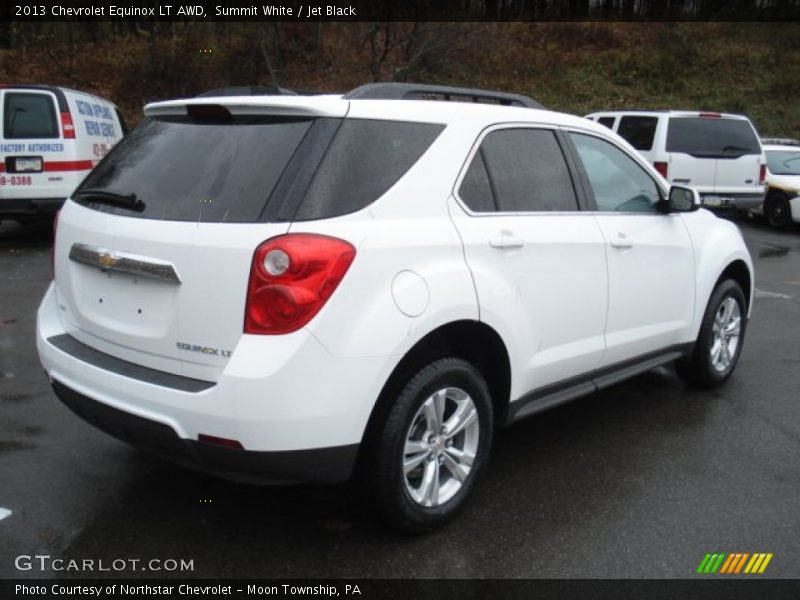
x=682, y=199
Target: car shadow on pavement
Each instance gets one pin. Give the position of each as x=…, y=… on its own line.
x=549, y=476
x=37, y=234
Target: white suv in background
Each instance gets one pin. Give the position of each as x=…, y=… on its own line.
x=302, y=287
x=718, y=154
x=782, y=202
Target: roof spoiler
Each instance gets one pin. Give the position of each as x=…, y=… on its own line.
x=419, y=91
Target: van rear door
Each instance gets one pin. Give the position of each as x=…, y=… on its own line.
x=32, y=145
x=738, y=169
x=715, y=153
x=691, y=162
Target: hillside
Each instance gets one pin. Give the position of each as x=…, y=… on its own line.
x=573, y=67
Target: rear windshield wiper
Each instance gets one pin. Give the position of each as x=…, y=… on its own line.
x=129, y=201
x=740, y=149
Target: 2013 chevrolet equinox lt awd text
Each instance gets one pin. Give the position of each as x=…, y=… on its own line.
x=285, y=288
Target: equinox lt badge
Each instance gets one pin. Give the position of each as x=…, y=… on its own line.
x=203, y=349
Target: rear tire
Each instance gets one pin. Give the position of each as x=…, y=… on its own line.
x=719, y=343
x=777, y=211
x=432, y=446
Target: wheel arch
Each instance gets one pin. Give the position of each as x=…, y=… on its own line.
x=740, y=273
x=471, y=340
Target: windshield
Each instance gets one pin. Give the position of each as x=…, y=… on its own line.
x=783, y=162
x=705, y=137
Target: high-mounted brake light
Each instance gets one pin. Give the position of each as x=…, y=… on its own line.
x=291, y=278
x=762, y=174
x=208, y=112
x=67, y=126
x=662, y=168
x=710, y=115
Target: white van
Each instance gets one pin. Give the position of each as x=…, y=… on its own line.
x=50, y=139
x=718, y=154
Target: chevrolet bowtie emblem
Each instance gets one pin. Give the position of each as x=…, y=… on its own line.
x=107, y=260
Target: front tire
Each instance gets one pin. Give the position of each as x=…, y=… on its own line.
x=433, y=446
x=777, y=211
x=719, y=343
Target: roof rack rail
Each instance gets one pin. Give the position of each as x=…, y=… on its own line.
x=418, y=91
x=780, y=141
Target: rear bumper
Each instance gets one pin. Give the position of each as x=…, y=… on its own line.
x=321, y=464
x=722, y=201
x=299, y=412
x=14, y=208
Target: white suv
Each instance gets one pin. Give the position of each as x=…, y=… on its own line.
x=719, y=154
x=299, y=288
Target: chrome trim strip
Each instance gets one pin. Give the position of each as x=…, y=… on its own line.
x=121, y=262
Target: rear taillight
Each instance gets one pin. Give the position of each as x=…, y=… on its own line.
x=662, y=168
x=291, y=278
x=66, y=126
x=53, y=247
x=762, y=174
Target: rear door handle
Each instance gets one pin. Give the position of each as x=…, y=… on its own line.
x=622, y=241
x=506, y=240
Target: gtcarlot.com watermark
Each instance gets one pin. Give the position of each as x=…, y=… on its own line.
x=45, y=562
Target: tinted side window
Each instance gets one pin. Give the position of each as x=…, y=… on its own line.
x=607, y=121
x=708, y=137
x=476, y=189
x=29, y=115
x=638, y=131
x=528, y=171
x=365, y=159
x=618, y=182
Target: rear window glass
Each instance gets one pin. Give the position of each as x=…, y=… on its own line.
x=638, y=131
x=251, y=169
x=708, y=137
x=607, y=121
x=182, y=170
x=29, y=116
x=365, y=159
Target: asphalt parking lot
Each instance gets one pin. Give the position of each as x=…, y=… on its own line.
x=641, y=480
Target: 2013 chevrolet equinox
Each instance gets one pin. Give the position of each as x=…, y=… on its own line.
x=277, y=288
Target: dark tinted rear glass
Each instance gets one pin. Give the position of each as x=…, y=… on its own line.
x=251, y=169
x=28, y=115
x=365, y=159
x=184, y=170
x=528, y=171
x=708, y=137
x=638, y=131
x=607, y=121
